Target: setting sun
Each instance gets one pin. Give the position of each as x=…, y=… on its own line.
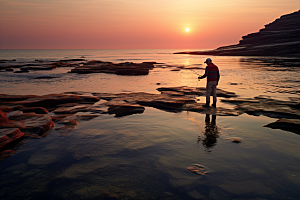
x=187, y=30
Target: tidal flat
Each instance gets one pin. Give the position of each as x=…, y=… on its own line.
x=148, y=137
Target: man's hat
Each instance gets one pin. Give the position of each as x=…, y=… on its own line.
x=207, y=59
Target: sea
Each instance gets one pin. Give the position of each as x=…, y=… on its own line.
x=149, y=155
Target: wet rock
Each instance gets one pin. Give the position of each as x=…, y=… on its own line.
x=235, y=139
x=68, y=105
x=14, y=114
x=3, y=118
x=292, y=125
x=43, y=67
x=30, y=123
x=72, y=60
x=71, y=110
x=127, y=68
x=219, y=111
x=198, y=169
x=9, y=69
x=44, y=77
x=6, y=97
x=69, y=120
x=9, y=135
x=22, y=71
x=200, y=91
x=37, y=110
x=270, y=110
x=6, y=109
x=124, y=109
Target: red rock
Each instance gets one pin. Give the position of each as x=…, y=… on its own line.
x=9, y=135
x=3, y=118
x=6, y=109
x=37, y=110
x=30, y=123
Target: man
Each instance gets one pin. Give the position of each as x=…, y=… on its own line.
x=213, y=76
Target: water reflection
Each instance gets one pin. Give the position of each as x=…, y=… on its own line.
x=211, y=133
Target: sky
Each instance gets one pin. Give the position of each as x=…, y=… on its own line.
x=134, y=24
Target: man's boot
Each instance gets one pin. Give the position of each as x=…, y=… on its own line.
x=214, y=104
x=206, y=105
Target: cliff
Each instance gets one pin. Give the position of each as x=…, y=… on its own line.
x=279, y=38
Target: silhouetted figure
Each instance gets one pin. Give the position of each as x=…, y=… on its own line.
x=211, y=133
x=213, y=77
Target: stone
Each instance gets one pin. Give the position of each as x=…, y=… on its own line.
x=71, y=110
x=44, y=77
x=292, y=125
x=43, y=67
x=127, y=68
x=121, y=110
x=14, y=113
x=37, y=110
x=270, y=110
x=200, y=91
x=30, y=123
x=198, y=169
x=235, y=139
x=3, y=118
x=9, y=135
x=6, y=109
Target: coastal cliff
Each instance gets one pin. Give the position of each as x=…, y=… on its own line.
x=279, y=38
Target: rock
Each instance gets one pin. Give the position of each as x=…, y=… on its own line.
x=219, y=111
x=6, y=109
x=200, y=91
x=3, y=118
x=9, y=69
x=171, y=99
x=44, y=67
x=68, y=105
x=279, y=38
x=121, y=110
x=30, y=122
x=71, y=110
x=198, y=169
x=72, y=60
x=37, y=110
x=9, y=135
x=69, y=120
x=46, y=101
x=270, y=110
x=44, y=77
x=7, y=98
x=235, y=139
x=127, y=68
x=292, y=125
x=14, y=113
x=21, y=71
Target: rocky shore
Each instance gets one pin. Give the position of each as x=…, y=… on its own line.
x=33, y=116
x=279, y=38
x=82, y=66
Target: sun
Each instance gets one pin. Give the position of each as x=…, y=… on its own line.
x=187, y=29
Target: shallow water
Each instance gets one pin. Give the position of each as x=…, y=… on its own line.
x=146, y=156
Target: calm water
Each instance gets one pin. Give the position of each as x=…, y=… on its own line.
x=146, y=156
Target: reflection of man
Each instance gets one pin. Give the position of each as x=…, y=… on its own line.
x=213, y=76
x=211, y=132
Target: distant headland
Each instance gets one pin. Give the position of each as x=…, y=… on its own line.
x=279, y=38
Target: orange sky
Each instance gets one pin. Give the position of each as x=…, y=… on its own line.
x=134, y=24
